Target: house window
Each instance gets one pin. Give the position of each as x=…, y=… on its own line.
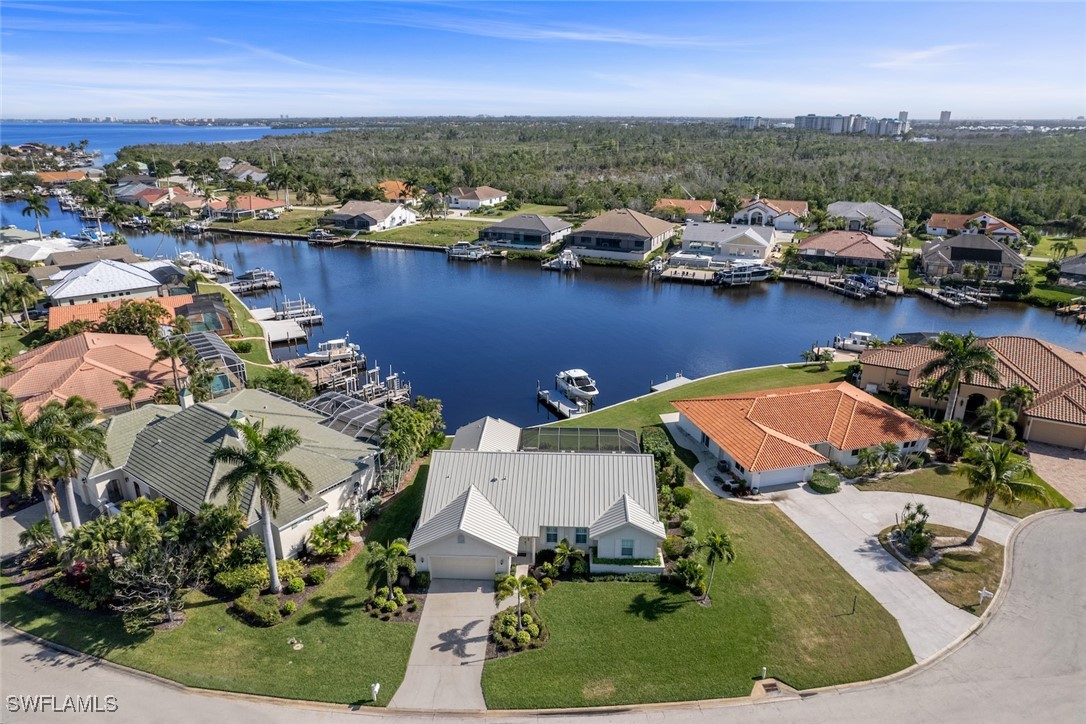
x=627, y=547
x=580, y=536
x=552, y=534
x=740, y=468
x=855, y=452
x=704, y=439
x=460, y=539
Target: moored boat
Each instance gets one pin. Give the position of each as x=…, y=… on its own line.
x=565, y=261
x=576, y=384
x=855, y=342
x=466, y=251
x=335, y=350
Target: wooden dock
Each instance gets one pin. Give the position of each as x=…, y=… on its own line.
x=837, y=285
x=687, y=276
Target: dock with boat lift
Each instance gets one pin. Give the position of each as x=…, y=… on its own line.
x=687, y=276
x=887, y=286
x=953, y=298
x=253, y=287
x=278, y=331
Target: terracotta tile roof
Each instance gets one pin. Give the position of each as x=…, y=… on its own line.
x=851, y=244
x=958, y=222
x=86, y=365
x=774, y=429
x=53, y=177
x=61, y=315
x=627, y=221
x=781, y=206
x=477, y=193
x=690, y=206
x=1064, y=404
x=398, y=190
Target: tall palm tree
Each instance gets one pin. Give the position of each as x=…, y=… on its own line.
x=17, y=293
x=1063, y=248
x=565, y=554
x=181, y=324
x=173, y=349
x=259, y=463
x=431, y=204
x=995, y=473
x=961, y=359
x=719, y=549
x=523, y=587
x=115, y=213
x=1019, y=397
x=36, y=206
x=390, y=560
x=79, y=435
x=995, y=418
x=128, y=392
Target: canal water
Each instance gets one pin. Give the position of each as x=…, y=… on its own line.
x=480, y=336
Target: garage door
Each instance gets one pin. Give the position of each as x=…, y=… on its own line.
x=469, y=567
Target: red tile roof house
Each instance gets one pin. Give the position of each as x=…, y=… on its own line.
x=847, y=248
x=778, y=437
x=693, y=209
x=245, y=207
x=781, y=214
x=979, y=223
x=1056, y=375
x=476, y=197
x=87, y=365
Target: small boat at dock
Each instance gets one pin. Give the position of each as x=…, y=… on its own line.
x=738, y=274
x=466, y=251
x=192, y=260
x=565, y=261
x=335, y=350
x=576, y=384
x=855, y=342
x=260, y=274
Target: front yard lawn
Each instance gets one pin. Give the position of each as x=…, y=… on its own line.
x=344, y=648
x=646, y=410
x=942, y=482
x=784, y=604
x=298, y=221
x=439, y=232
x=14, y=340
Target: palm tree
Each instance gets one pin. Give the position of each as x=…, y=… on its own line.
x=430, y=204
x=37, y=535
x=390, y=560
x=115, y=213
x=129, y=392
x=868, y=458
x=19, y=292
x=36, y=206
x=1019, y=397
x=718, y=547
x=889, y=454
x=259, y=462
x=995, y=473
x=173, y=349
x=1063, y=248
x=565, y=554
x=995, y=418
x=961, y=359
x=79, y=435
x=181, y=324
x=953, y=438
x=523, y=587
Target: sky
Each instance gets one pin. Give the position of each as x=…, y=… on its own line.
x=240, y=58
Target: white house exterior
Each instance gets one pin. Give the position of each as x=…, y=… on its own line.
x=102, y=281
x=885, y=220
x=163, y=451
x=705, y=243
x=476, y=197
x=372, y=215
x=778, y=437
x=781, y=214
x=484, y=511
x=979, y=223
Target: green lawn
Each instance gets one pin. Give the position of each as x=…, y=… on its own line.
x=541, y=209
x=784, y=604
x=646, y=410
x=439, y=232
x=1044, y=248
x=345, y=649
x=14, y=340
x=398, y=519
x=298, y=221
x=247, y=326
x=943, y=483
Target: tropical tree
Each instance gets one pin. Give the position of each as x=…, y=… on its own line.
x=181, y=324
x=78, y=434
x=789, y=256
x=953, y=438
x=36, y=206
x=16, y=294
x=115, y=213
x=889, y=454
x=689, y=572
x=128, y=392
x=282, y=381
x=868, y=459
x=565, y=554
x=133, y=316
x=995, y=418
x=718, y=548
x=961, y=359
x=994, y=472
x=431, y=204
x=523, y=587
x=1063, y=248
x=1019, y=397
x=37, y=535
x=390, y=560
x=173, y=349
x=259, y=463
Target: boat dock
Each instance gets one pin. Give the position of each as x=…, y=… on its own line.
x=953, y=298
x=330, y=241
x=1074, y=307
x=300, y=311
x=278, y=331
x=840, y=285
x=688, y=276
x=558, y=405
x=252, y=287
x=669, y=383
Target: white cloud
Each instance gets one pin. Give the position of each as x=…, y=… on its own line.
x=933, y=57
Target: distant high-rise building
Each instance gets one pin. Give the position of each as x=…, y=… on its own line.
x=751, y=122
x=903, y=116
x=944, y=117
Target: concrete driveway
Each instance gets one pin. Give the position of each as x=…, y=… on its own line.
x=846, y=526
x=1062, y=468
x=12, y=524
x=445, y=671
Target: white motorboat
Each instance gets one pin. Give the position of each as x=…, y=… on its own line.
x=467, y=251
x=89, y=235
x=565, y=261
x=335, y=350
x=206, y=266
x=855, y=342
x=740, y=273
x=321, y=235
x=260, y=274
x=576, y=385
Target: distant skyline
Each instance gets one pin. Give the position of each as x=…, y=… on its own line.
x=773, y=59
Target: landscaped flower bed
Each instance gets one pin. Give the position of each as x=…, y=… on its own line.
x=508, y=635
x=397, y=607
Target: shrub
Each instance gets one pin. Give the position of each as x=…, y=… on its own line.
x=533, y=630
x=295, y=585
x=523, y=638
x=678, y=477
x=699, y=588
x=316, y=576
x=579, y=567
x=237, y=580
x=369, y=507
x=682, y=496
x=75, y=595
x=544, y=556
x=689, y=573
x=289, y=568
x=674, y=547
x=289, y=607
x=381, y=593
x=684, y=514
x=692, y=544
x=655, y=442
x=664, y=496
x=249, y=549
x=331, y=537
x=825, y=482
x=399, y=597
x=547, y=570
x=496, y=636
x=422, y=580
x=258, y=610
x=626, y=578
x=671, y=511
x=546, y=583
x=689, y=528
x=526, y=620
x=509, y=631
x=243, y=346
x=389, y=605
x=918, y=543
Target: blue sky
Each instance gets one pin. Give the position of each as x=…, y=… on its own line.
x=245, y=59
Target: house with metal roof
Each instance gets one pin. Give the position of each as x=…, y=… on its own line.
x=622, y=234
x=526, y=231
x=878, y=219
x=165, y=452
x=483, y=512
x=372, y=215
x=476, y=197
x=964, y=253
x=778, y=437
x=106, y=279
x=706, y=243
x=488, y=434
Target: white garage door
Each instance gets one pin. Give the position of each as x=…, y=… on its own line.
x=470, y=567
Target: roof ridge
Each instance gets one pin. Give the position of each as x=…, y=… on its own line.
x=851, y=416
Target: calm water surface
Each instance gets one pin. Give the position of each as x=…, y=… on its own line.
x=479, y=336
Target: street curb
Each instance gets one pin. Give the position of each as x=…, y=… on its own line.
x=695, y=705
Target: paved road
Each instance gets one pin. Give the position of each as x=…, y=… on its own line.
x=1027, y=664
x=445, y=671
x=846, y=526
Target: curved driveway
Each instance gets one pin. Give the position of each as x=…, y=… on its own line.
x=1027, y=664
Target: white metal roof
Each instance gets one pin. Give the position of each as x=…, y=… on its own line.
x=103, y=277
x=535, y=489
x=707, y=232
x=625, y=512
x=470, y=513
x=488, y=434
